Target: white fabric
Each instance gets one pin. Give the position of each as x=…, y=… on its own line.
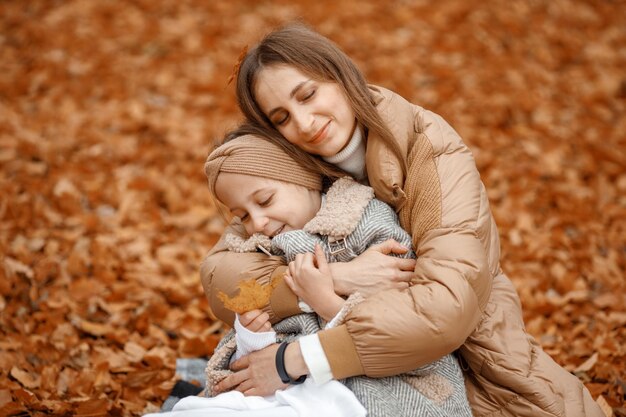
x=351, y=158
x=329, y=399
x=306, y=400
x=315, y=359
x=228, y=404
x=304, y=307
x=248, y=341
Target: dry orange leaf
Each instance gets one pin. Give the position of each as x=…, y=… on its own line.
x=96, y=329
x=251, y=296
x=92, y=408
x=134, y=351
x=5, y=397
x=606, y=408
x=27, y=379
x=588, y=364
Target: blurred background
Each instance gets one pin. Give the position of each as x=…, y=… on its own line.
x=109, y=108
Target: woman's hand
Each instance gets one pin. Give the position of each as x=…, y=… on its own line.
x=310, y=279
x=256, y=373
x=374, y=270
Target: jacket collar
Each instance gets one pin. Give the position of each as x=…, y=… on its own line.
x=342, y=210
x=383, y=165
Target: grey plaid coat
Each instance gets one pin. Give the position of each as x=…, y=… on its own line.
x=350, y=221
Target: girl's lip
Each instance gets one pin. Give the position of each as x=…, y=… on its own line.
x=320, y=135
x=277, y=232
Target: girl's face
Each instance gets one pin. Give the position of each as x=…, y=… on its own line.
x=313, y=115
x=267, y=206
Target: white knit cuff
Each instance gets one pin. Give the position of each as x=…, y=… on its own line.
x=248, y=341
x=304, y=307
x=315, y=359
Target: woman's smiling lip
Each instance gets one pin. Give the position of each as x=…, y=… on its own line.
x=320, y=135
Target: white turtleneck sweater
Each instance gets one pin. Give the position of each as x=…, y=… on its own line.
x=352, y=158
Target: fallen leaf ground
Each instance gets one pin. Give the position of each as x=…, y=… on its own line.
x=108, y=109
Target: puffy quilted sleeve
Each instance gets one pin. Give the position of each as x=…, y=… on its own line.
x=222, y=270
x=446, y=209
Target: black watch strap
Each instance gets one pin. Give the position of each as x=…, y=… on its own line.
x=280, y=367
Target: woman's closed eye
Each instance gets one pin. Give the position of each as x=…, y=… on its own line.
x=282, y=117
x=307, y=94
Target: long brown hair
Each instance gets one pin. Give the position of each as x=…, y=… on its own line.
x=298, y=46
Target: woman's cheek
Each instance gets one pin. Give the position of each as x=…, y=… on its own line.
x=291, y=135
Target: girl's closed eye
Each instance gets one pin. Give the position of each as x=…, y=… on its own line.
x=266, y=202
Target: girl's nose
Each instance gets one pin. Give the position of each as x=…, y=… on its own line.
x=259, y=223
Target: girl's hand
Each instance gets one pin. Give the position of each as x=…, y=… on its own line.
x=256, y=373
x=374, y=270
x=256, y=321
x=310, y=279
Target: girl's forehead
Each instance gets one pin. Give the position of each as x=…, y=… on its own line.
x=234, y=189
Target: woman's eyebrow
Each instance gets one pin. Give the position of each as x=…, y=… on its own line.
x=297, y=88
x=291, y=95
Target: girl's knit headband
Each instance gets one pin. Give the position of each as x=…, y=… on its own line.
x=257, y=157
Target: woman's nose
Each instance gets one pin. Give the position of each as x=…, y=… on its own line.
x=304, y=120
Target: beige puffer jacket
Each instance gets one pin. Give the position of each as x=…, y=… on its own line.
x=460, y=300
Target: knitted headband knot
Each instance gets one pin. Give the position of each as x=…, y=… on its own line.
x=257, y=157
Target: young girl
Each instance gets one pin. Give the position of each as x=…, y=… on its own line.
x=283, y=211
x=309, y=96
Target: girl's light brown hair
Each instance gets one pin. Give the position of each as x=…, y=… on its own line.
x=315, y=55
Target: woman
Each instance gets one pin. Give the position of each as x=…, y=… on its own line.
x=308, y=96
